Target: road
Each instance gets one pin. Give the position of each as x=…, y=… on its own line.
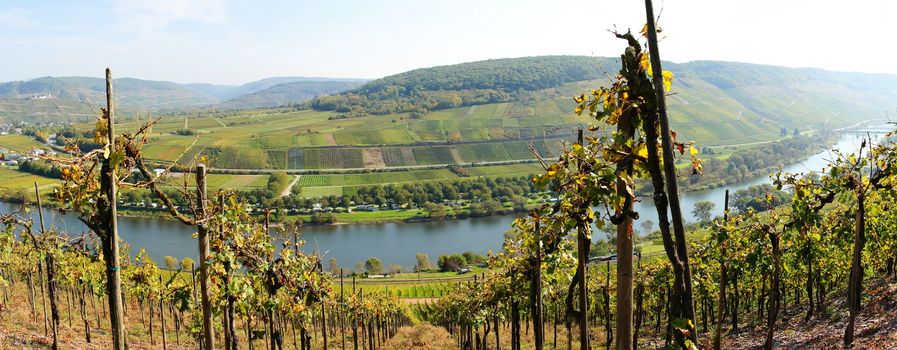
x=289, y=189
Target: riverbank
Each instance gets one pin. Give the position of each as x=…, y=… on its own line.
x=717, y=174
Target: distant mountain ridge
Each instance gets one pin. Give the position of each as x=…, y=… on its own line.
x=77, y=98
x=266, y=83
x=742, y=89
x=288, y=93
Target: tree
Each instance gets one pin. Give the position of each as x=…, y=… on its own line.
x=796, y=132
x=519, y=203
x=783, y=132
x=373, y=266
x=435, y=211
x=170, y=262
x=423, y=262
x=473, y=258
x=647, y=227
x=452, y=262
x=756, y=198
x=703, y=211
x=333, y=266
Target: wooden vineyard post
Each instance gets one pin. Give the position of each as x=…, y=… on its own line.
x=109, y=222
x=208, y=331
x=684, y=288
x=536, y=288
x=354, y=321
x=51, y=276
x=162, y=317
x=342, y=309
x=323, y=316
x=855, y=284
x=582, y=243
x=623, y=218
x=721, y=303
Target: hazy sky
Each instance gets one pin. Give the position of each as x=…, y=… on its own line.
x=236, y=41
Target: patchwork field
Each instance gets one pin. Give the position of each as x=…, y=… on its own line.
x=303, y=139
x=291, y=139
x=345, y=184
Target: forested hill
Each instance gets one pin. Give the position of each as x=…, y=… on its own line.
x=760, y=89
x=288, y=93
x=507, y=75
x=465, y=84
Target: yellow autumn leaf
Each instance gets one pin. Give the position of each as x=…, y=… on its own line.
x=642, y=150
x=614, y=116
x=608, y=101
x=693, y=150
x=667, y=80
x=645, y=62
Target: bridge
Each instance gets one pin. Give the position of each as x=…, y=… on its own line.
x=871, y=126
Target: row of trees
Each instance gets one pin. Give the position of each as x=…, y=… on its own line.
x=747, y=164
x=41, y=168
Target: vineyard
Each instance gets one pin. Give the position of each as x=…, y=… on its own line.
x=816, y=269
x=736, y=283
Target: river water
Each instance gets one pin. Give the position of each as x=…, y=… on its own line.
x=396, y=243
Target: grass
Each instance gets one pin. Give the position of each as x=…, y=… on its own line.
x=375, y=178
x=322, y=185
x=12, y=179
x=223, y=181
x=20, y=143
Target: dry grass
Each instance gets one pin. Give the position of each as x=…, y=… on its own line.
x=421, y=337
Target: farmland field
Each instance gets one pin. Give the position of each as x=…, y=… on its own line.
x=290, y=139
x=19, y=143
x=304, y=139
x=15, y=180
x=220, y=181
x=320, y=185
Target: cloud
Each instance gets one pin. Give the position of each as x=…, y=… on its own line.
x=149, y=16
x=16, y=18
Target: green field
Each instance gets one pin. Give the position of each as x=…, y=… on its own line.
x=306, y=139
x=314, y=186
x=20, y=143
x=13, y=179
x=220, y=181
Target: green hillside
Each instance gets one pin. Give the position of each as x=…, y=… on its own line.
x=78, y=98
x=287, y=93
x=465, y=84
x=262, y=84
x=713, y=103
x=71, y=98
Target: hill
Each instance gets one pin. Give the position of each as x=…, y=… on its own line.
x=64, y=98
x=266, y=83
x=465, y=84
x=287, y=93
x=741, y=98
x=219, y=91
x=76, y=98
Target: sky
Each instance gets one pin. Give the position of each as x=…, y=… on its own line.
x=237, y=41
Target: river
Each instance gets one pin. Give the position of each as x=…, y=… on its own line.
x=396, y=243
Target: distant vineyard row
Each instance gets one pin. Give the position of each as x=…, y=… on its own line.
x=371, y=158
